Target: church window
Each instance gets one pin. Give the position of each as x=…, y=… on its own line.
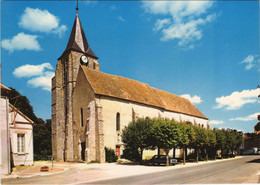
x=20, y=143
x=118, y=121
x=81, y=116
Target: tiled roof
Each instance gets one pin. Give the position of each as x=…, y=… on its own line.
x=132, y=90
x=78, y=40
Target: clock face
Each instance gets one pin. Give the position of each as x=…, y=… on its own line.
x=84, y=59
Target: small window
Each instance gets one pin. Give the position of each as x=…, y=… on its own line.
x=20, y=143
x=118, y=121
x=81, y=116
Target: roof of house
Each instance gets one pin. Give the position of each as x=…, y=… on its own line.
x=132, y=90
x=78, y=40
x=4, y=87
x=13, y=108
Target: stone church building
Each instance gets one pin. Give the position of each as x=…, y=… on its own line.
x=90, y=108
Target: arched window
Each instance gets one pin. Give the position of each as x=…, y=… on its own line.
x=118, y=121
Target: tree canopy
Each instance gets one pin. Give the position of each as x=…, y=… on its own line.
x=166, y=134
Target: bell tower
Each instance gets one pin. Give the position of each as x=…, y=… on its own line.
x=77, y=52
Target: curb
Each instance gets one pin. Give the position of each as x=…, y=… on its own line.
x=15, y=176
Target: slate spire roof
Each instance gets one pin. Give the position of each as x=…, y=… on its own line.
x=78, y=41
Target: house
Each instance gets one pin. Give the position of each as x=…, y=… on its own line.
x=16, y=135
x=90, y=108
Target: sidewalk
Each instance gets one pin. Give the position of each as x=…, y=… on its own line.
x=96, y=171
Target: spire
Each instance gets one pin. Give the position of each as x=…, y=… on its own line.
x=78, y=40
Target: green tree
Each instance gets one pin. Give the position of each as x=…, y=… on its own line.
x=200, y=141
x=137, y=136
x=166, y=134
x=220, y=139
x=42, y=139
x=210, y=142
x=187, y=137
x=22, y=103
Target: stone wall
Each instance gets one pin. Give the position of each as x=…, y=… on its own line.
x=63, y=84
x=83, y=98
x=112, y=106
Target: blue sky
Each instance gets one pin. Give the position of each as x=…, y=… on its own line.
x=205, y=51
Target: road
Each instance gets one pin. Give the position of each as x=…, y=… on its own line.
x=239, y=170
x=228, y=172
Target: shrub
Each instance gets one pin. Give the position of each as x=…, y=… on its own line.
x=110, y=155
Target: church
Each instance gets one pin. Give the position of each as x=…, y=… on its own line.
x=90, y=108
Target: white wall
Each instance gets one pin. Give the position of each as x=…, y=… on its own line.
x=5, y=155
x=110, y=107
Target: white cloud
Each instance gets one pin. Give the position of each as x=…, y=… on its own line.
x=247, y=118
x=21, y=42
x=31, y=70
x=160, y=23
x=237, y=99
x=216, y=122
x=41, y=21
x=184, y=19
x=40, y=75
x=43, y=81
x=249, y=61
x=121, y=18
x=195, y=99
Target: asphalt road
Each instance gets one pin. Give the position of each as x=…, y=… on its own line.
x=237, y=171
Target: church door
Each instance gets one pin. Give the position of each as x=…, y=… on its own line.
x=118, y=151
x=83, y=147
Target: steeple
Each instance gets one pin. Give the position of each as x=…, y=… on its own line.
x=78, y=40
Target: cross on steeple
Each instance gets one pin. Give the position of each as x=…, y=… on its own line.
x=77, y=8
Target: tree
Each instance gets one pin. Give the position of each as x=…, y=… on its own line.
x=137, y=136
x=200, y=141
x=210, y=142
x=186, y=137
x=42, y=139
x=166, y=134
x=21, y=103
x=220, y=139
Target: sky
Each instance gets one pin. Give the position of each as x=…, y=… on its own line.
x=205, y=51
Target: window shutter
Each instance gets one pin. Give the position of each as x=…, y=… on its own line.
x=14, y=143
x=28, y=142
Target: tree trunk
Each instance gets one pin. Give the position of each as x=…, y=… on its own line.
x=207, y=155
x=184, y=155
x=141, y=157
x=158, y=151
x=167, y=157
x=173, y=153
x=197, y=155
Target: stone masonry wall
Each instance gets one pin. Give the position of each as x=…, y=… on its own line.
x=83, y=98
x=112, y=106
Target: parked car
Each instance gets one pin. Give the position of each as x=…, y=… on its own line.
x=156, y=159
